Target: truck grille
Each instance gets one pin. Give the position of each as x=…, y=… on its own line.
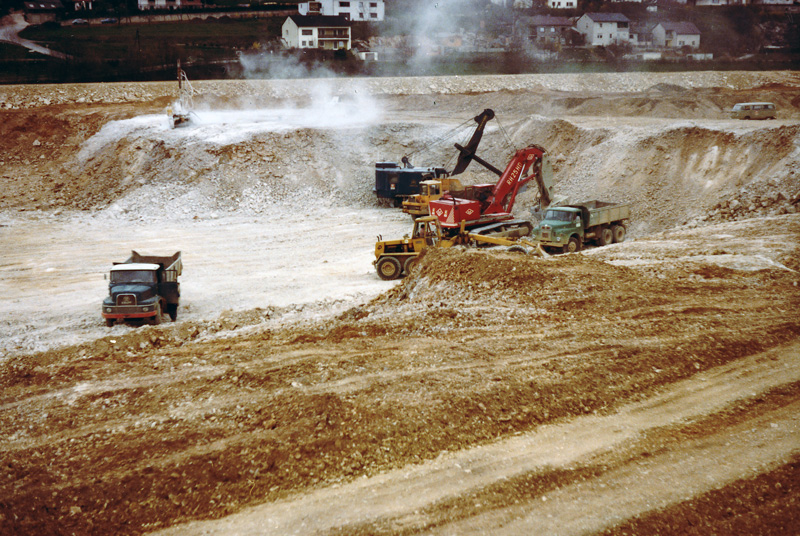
x=126, y=299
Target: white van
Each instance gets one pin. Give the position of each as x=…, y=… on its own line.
x=753, y=110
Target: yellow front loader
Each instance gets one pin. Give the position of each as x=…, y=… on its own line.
x=394, y=258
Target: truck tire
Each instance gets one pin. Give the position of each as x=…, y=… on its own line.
x=110, y=322
x=156, y=320
x=619, y=233
x=605, y=236
x=172, y=310
x=573, y=245
x=409, y=263
x=388, y=268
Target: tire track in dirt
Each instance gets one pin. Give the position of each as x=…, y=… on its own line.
x=401, y=494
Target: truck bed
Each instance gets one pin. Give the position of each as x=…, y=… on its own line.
x=169, y=263
x=600, y=212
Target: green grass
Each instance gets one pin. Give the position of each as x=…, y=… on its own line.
x=16, y=52
x=156, y=42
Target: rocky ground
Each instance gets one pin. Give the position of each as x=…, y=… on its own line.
x=648, y=387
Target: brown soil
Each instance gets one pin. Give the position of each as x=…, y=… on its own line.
x=649, y=387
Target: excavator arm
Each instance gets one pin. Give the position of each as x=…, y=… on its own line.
x=516, y=175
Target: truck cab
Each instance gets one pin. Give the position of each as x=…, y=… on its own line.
x=560, y=227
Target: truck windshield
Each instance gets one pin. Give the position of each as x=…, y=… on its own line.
x=133, y=276
x=559, y=215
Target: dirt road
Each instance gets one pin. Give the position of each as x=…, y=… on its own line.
x=647, y=387
x=406, y=497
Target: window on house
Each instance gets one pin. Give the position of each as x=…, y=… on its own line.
x=308, y=32
x=373, y=15
x=344, y=4
x=373, y=4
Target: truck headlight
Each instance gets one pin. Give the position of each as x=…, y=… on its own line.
x=108, y=309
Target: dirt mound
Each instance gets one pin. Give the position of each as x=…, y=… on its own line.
x=676, y=173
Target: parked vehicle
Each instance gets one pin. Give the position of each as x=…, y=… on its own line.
x=143, y=288
x=567, y=228
x=109, y=21
x=78, y=22
x=753, y=110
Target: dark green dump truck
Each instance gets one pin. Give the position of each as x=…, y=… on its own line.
x=567, y=228
x=144, y=287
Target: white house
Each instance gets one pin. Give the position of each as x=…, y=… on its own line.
x=562, y=4
x=676, y=35
x=602, y=29
x=368, y=10
x=316, y=31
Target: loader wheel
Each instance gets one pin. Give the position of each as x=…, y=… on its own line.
x=517, y=249
x=388, y=268
x=573, y=245
x=606, y=237
x=619, y=233
x=409, y=264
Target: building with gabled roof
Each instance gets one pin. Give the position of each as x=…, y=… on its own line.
x=603, y=29
x=676, y=35
x=541, y=28
x=316, y=31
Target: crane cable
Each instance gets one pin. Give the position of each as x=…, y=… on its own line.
x=506, y=137
x=441, y=139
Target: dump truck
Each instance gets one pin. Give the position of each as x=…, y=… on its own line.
x=567, y=228
x=393, y=258
x=143, y=288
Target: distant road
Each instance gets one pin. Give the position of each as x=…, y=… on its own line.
x=11, y=25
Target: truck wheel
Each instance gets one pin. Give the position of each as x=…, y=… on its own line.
x=618, y=232
x=156, y=320
x=110, y=322
x=388, y=268
x=605, y=237
x=409, y=264
x=573, y=245
x=172, y=310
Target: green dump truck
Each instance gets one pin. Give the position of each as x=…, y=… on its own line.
x=567, y=228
